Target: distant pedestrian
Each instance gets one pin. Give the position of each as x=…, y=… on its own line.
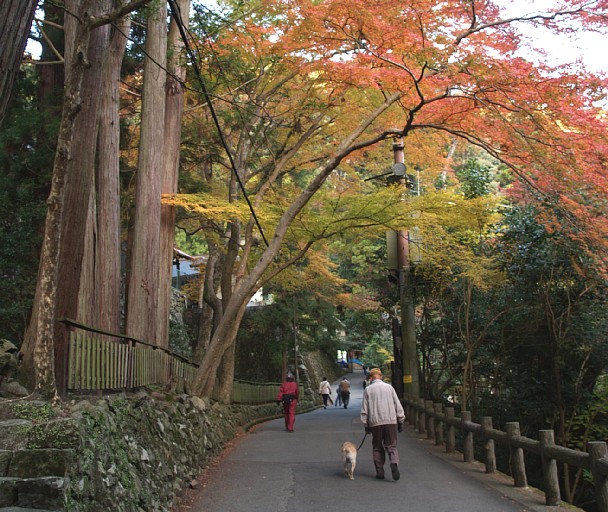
x=325, y=392
x=383, y=416
x=338, y=398
x=289, y=393
x=345, y=391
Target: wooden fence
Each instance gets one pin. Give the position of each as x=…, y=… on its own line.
x=104, y=361
x=440, y=423
x=244, y=392
x=99, y=360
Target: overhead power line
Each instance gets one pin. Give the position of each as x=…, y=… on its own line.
x=177, y=17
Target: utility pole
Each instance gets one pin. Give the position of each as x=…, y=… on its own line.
x=406, y=349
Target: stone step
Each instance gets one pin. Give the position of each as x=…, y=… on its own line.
x=14, y=434
x=41, y=494
x=21, y=509
x=39, y=463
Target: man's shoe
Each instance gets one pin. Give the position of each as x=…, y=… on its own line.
x=395, y=471
x=380, y=477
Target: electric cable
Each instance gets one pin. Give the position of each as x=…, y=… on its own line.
x=176, y=15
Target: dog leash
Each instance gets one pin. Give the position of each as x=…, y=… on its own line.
x=362, y=442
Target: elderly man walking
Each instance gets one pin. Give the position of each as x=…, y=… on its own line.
x=383, y=416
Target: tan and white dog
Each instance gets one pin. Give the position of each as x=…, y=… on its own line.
x=349, y=458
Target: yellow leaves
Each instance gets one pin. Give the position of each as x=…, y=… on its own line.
x=356, y=302
x=208, y=207
x=452, y=230
x=457, y=213
x=315, y=274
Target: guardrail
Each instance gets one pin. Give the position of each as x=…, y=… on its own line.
x=440, y=424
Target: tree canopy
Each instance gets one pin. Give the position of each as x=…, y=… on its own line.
x=288, y=112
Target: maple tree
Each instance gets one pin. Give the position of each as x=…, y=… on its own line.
x=312, y=85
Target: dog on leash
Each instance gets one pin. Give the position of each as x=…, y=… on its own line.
x=349, y=458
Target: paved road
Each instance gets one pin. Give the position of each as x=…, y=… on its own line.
x=271, y=470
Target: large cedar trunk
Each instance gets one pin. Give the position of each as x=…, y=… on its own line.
x=73, y=275
x=108, y=277
x=39, y=345
x=143, y=271
x=15, y=21
x=173, y=124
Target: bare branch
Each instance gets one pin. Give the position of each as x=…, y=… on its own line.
x=118, y=13
x=507, y=21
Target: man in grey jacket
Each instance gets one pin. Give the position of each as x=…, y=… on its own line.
x=383, y=416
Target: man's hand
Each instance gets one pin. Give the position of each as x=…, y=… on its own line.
x=399, y=427
x=368, y=429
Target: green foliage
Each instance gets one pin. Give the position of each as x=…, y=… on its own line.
x=379, y=351
x=267, y=332
x=27, y=141
x=591, y=423
x=194, y=246
x=474, y=178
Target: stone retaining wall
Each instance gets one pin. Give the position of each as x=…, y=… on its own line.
x=131, y=454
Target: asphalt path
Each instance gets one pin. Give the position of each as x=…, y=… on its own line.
x=271, y=470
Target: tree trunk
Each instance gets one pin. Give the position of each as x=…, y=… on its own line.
x=87, y=308
x=467, y=371
x=211, y=306
x=142, y=303
x=225, y=373
x=15, y=21
x=173, y=124
x=223, y=339
x=40, y=333
x=108, y=284
x=78, y=187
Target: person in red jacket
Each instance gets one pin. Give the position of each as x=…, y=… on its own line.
x=289, y=394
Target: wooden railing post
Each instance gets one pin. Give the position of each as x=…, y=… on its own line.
x=551, y=478
x=406, y=407
x=490, y=453
x=414, y=413
x=599, y=452
x=450, y=431
x=430, y=420
x=468, y=450
x=516, y=460
x=438, y=425
x=421, y=417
